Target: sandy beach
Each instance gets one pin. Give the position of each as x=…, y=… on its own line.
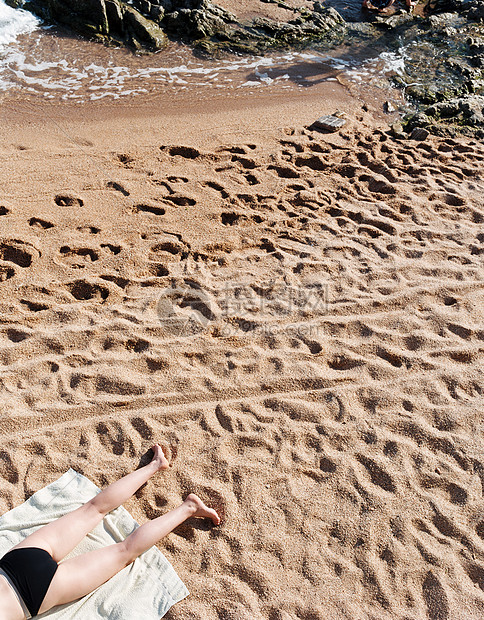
x=296, y=315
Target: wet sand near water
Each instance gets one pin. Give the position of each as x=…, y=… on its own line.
x=297, y=315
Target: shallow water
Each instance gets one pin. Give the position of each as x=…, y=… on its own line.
x=39, y=61
x=35, y=60
x=13, y=23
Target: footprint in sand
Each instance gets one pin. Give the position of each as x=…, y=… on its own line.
x=78, y=258
x=181, y=200
x=83, y=290
x=168, y=250
x=125, y=159
x=37, y=222
x=218, y=188
x=8, y=471
x=18, y=252
x=117, y=187
x=144, y=430
x=112, y=437
x=146, y=208
x=187, y=152
x=435, y=598
x=68, y=200
x=6, y=272
x=112, y=247
x=285, y=172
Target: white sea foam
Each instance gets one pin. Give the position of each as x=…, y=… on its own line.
x=14, y=22
x=111, y=80
x=61, y=68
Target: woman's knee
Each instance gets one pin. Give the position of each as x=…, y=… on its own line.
x=126, y=553
x=97, y=505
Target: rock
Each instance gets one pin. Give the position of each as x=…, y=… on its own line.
x=143, y=30
x=460, y=115
x=423, y=93
x=468, y=109
x=388, y=107
x=441, y=21
x=88, y=16
x=144, y=7
x=209, y=20
x=476, y=10
x=106, y=19
x=416, y=120
x=142, y=23
x=459, y=65
x=394, y=21
x=114, y=16
x=157, y=13
x=472, y=9
x=397, y=130
x=419, y=133
x=198, y=20
x=329, y=13
x=262, y=34
x=329, y=123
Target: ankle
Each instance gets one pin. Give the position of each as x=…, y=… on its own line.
x=190, y=505
x=159, y=461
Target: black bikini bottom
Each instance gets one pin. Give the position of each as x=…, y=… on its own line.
x=31, y=570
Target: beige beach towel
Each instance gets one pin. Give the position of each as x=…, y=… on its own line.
x=146, y=589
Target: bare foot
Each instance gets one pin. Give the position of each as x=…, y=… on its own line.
x=159, y=457
x=201, y=510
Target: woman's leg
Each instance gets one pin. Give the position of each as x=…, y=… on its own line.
x=81, y=575
x=61, y=536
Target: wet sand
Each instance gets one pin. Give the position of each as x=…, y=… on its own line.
x=298, y=315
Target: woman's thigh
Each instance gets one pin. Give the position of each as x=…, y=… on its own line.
x=81, y=575
x=61, y=536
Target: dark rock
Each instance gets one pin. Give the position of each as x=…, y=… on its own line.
x=461, y=66
x=423, y=93
x=468, y=110
x=143, y=30
x=461, y=115
x=472, y=9
x=328, y=12
x=262, y=34
x=416, y=120
x=157, y=13
x=393, y=22
x=197, y=19
x=104, y=19
x=419, y=133
x=114, y=16
x=142, y=23
x=144, y=7
x=476, y=10
x=87, y=17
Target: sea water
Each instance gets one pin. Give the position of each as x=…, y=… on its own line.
x=36, y=60
x=12, y=24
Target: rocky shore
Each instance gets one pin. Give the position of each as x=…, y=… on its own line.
x=444, y=80
x=146, y=26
